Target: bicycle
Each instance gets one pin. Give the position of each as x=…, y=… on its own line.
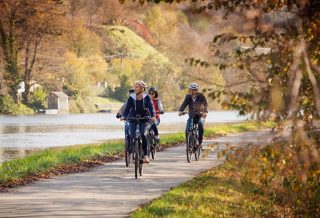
x=192, y=141
x=137, y=145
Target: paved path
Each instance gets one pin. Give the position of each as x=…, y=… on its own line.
x=111, y=190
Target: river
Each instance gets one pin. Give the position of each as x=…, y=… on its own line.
x=23, y=135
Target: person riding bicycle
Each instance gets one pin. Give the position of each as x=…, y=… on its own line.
x=198, y=109
x=140, y=104
x=120, y=114
x=153, y=92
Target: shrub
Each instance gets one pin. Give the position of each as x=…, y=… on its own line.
x=37, y=99
x=7, y=105
x=288, y=172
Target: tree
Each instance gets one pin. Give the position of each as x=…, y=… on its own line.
x=23, y=24
x=165, y=78
x=43, y=21
x=8, y=18
x=81, y=40
x=77, y=76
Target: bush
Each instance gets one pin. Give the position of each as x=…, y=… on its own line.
x=37, y=99
x=7, y=105
x=119, y=93
x=288, y=172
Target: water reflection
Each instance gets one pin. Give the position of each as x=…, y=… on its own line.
x=11, y=153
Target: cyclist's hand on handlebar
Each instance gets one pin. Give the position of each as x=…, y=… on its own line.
x=180, y=113
x=153, y=119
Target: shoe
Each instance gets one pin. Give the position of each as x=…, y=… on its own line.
x=146, y=159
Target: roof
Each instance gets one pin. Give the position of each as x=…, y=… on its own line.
x=60, y=94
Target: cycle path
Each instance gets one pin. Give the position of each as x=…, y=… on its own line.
x=111, y=190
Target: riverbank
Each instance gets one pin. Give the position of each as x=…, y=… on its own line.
x=57, y=161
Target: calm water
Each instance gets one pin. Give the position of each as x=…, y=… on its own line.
x=22, y=135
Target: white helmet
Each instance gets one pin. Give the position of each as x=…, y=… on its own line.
x=142, y=84
x=194, y=86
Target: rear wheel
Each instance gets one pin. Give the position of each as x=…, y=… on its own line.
x=189, y=147
x=153, y=147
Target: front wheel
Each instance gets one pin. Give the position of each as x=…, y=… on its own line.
x=197, y=153
x=140, y=158
x=127, y=151
x=189, y=147
x=136, y=159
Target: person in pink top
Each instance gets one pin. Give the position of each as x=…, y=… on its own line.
x=153, y=92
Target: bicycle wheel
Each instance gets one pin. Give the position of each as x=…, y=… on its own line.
x=137, y=158
x=153, y=147
x=140, y=159
x=189, y=148
x=197, y=153
x=149, y=139
x=127, y=151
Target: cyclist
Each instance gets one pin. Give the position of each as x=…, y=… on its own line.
x=140, y=104
x=153, y=92
x=120, y=113
x=197, y=104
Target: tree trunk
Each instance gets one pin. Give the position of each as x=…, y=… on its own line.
x=8, y=45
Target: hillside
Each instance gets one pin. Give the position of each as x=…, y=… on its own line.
x=137, y=47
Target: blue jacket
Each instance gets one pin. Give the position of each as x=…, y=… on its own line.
x=130, y=109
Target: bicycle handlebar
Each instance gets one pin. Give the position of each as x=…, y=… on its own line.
x=138, y=118
x=183, y=113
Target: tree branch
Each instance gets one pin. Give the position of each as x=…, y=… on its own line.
x=314, y=83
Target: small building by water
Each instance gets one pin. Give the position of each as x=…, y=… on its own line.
x=58, y=103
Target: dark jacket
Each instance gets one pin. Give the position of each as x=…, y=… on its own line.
x=196, y=105
x=130, y=109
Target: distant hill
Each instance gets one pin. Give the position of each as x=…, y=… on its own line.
x=122, y=36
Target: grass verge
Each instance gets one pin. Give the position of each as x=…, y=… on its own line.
x=214, y=193
x=55, y=161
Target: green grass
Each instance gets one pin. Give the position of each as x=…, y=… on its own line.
x=212, y=194
x=137, y=46
x=55, y=157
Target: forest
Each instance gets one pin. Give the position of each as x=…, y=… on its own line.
x=94, y=50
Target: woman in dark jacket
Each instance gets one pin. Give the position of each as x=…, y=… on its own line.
x=140, y=104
